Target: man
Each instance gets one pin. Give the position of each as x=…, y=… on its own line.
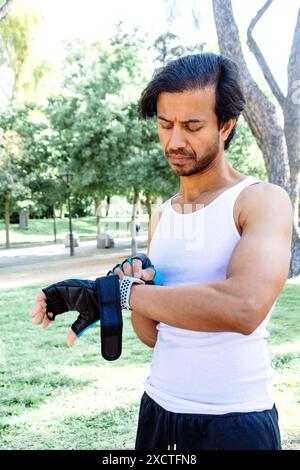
x=223, y=246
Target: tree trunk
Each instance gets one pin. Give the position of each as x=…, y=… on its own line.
x=295, y=261
x=107, y=206
x=98, y=220
x=7, y=219
x=61, y=211
x=133, y=223
x=148, y=204
x=280, y=146
x=54, y=224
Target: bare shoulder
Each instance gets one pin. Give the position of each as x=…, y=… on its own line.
x=265, y=200
x=154, y=220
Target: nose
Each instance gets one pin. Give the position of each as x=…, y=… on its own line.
x=177, y=139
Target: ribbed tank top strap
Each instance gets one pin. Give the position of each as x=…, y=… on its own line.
x=233, y=192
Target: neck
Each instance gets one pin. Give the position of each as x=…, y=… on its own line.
x=219, y=174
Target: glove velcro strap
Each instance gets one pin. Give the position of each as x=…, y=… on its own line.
x=108, y=291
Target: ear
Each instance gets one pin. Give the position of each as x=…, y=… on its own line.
x=227, y=128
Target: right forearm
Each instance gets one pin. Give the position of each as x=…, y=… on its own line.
x=145, y=329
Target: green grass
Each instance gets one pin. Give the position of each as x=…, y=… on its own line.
x=55, y=397
x=285, y=349
x=65, y=398
x=41, y=230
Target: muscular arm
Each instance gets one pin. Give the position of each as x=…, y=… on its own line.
x=145, y=328
x=256, y=274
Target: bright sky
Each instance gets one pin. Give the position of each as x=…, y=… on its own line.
x=95, y=19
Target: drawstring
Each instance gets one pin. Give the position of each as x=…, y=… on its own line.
x=170, y=432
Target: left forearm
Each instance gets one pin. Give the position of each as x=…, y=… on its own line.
x=211, y=307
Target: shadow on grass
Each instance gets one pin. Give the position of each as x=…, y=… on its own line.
x=20, y=392
x=110, y=429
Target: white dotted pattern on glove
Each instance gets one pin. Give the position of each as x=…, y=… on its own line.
x=125, y=288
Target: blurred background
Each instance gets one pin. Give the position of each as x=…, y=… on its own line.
x=80, y=175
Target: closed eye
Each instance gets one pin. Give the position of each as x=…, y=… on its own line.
x=193, y=130
x=164, y=126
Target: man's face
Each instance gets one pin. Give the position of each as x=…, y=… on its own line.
x=188, y=130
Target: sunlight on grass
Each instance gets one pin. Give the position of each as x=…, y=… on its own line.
x=41, y=230
x=55, y=397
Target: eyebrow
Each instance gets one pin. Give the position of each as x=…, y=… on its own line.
x=162, y=118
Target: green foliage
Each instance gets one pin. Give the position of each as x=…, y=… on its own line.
x=244, y=154
x=25, y=155
x=166, y=48
x=92, y=128
x=17, y=31
x=91, y=120
x=145, y=167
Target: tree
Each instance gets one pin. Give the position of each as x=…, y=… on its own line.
x=4, y=8
x=24, y=157
x=17, y=31
x=165, y=49
x=244, y=154
x=280, y=145
x=100, y=82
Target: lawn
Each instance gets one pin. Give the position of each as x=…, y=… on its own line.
x=41, y=230
x=54, y=397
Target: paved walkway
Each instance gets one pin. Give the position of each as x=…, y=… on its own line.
x=47, y=264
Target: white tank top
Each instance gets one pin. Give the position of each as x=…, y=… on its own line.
x=194, y=371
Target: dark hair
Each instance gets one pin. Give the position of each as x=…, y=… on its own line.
x=198, y=71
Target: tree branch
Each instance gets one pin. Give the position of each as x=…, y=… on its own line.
x=5, y=8
x=294, y=59
x=291, y=110
x=260, y=113
x=260, y=58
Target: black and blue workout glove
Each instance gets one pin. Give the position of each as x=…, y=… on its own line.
x=146, y=263
x=95, y=300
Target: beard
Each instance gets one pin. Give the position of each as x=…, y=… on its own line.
x=198, y=164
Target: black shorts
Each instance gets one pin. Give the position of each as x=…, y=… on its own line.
x=159, y=429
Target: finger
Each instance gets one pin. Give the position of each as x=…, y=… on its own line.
x=43, y=304
x=46, y=322
x=127, y=268
x=38, y=317
x=34, y=311
x=137, y=268
x=41, y=296
x=148, y=274
x=119, y=272
x=71, y=338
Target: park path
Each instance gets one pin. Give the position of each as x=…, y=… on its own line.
x=44, y=265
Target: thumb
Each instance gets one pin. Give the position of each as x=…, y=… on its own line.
x=71, y=338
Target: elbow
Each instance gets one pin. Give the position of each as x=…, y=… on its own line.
x=249, y=317
x=150, y=344
x=247, y=329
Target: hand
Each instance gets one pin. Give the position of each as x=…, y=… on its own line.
x=38, y=314
x=135, y=270
x=71, y=294
x=139, y=266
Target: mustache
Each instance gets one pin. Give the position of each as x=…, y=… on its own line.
x=172, y=153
